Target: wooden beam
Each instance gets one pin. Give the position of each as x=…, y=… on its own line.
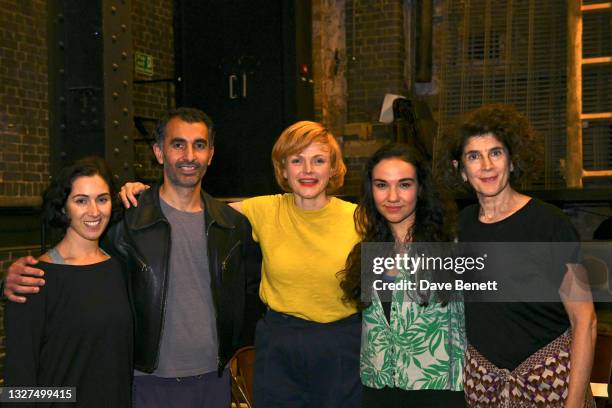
x=598, y=60
x=595, y=7
x=573, y=154
x=596, y=173
x=595, y=116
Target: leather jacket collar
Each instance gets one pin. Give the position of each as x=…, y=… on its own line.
x=149, y=211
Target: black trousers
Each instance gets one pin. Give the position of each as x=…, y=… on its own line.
x=303, y=364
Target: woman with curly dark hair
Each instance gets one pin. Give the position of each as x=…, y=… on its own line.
x=412, y=347
x=77, y=332
x=519, y=354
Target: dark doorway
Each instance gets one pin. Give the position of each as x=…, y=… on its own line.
x=239, y=62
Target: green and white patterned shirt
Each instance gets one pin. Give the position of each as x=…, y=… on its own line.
x=422, y=348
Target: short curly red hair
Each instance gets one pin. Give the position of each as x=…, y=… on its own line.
x=298, y=137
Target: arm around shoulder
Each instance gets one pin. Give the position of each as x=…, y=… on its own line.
x=22, y=278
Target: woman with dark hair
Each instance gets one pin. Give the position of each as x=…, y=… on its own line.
x=519, y=354
x=411, y=347
x=78, y=331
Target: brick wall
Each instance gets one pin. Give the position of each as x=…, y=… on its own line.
x=376, y=58
x=24, y=152
x=375, y=45
x=330, y=83
x=352, y=181
x=24, y=143
x=153, y=34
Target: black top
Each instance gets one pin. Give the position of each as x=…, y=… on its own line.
x=76, y=332
x=507, y=333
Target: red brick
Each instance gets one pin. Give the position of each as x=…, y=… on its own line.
x=28, y=176
x=23, y=87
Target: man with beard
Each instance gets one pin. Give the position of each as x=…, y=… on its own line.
x=193, y=274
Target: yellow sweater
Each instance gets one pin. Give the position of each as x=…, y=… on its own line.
x=302, y=253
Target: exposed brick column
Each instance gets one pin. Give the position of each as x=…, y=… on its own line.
x=329, y=52
x=375, y=43
x=375, y=39
x=24, y=152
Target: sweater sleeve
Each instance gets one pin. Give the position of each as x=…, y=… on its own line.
x=24, y=326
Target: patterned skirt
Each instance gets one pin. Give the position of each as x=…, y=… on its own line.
x=541, y=380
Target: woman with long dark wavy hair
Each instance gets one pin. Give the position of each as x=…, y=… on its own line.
x=412, y=347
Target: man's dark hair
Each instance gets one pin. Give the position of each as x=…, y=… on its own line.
x=189, y=115
x=55, y=196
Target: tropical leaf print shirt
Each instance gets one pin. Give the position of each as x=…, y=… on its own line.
x=422, y=347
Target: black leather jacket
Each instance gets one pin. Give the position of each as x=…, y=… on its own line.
x=142, y=240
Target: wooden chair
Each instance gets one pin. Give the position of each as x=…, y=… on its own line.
x=241, y=372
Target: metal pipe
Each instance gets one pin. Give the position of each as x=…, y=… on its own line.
x=424, y=35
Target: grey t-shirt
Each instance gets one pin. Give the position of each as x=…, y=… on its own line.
x=189, y=333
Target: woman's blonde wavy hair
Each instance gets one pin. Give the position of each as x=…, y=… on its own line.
x=298, y=137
